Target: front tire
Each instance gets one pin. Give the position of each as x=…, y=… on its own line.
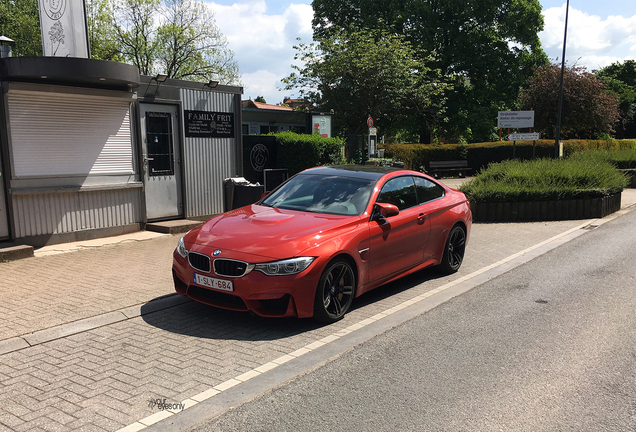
x=453, y=251
x=335, y=291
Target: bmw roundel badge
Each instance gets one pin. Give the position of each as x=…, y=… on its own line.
x=217, y=252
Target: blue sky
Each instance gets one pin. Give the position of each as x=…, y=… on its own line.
x=262, y=33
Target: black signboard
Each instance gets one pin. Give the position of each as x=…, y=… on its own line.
x=206, y=124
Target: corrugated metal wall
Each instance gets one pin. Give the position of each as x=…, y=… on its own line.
x=207, y=161
x=65, y=212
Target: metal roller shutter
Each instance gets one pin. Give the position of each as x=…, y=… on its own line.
x=58, y=134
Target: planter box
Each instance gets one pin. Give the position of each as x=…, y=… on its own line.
x=585, y=208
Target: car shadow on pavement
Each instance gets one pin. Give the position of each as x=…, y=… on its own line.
x=203, y=321
x=396, y=287
x=207, y=322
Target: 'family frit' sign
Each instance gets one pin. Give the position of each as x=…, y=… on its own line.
x=207, y=124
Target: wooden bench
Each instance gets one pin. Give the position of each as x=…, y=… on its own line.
x=459, y=166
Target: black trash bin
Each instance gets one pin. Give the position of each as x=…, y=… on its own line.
x=239, y=192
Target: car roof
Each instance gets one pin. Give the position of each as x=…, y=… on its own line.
x=371, y=172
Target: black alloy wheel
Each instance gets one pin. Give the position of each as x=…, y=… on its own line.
x=335, y=291
x=454, y=250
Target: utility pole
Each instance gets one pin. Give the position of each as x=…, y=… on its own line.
x=558, y=131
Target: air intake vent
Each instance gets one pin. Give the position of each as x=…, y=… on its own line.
x=199, y=261
x=232, y=268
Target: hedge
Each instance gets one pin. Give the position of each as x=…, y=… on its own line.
x=298, y=152
x=479, y=155
x=544, y=180
x=621, y=159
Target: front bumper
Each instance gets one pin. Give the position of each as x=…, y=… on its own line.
x=267, y=296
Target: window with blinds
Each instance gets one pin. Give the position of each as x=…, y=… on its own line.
x=56, y=134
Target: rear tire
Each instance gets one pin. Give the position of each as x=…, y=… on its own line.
x=453, y=251
x=335, y=291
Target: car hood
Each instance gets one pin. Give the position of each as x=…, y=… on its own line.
x=269, y=232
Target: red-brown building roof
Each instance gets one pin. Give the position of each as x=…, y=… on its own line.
x=264, y=106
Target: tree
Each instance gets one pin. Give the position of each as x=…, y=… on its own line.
x=176, y=37
x=589, y=109
x=191, y=46
x=260, y=99
x=19, y=20
x=101, y=31
x=490, y=47
x=133, y=23
x=368, y=72
x=621, y=79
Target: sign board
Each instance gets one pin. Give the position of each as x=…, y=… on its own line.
x=373, y=131
x=370, y=122
x=523, y=136
x=372, y=144
x=515, y=119
x=321, y=125
x=206, y=124
x=64, y=28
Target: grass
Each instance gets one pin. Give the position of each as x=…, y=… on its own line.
x=545, y=180
x=621, y=159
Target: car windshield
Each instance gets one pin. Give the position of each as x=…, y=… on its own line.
x=337, y=195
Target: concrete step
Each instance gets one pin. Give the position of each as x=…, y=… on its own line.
x=173, y=226
x=12, y=252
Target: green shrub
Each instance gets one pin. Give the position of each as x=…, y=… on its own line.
x=621, y=159
x=480, y=155
x=297, y=152
x=544, y=180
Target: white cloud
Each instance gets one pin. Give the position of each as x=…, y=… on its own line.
x=592, y=41
x=262, y=42
x=262, y=83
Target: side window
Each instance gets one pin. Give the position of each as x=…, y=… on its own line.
x=399, y=191
x=427, y=190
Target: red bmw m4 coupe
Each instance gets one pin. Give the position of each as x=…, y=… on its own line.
x=322, y=238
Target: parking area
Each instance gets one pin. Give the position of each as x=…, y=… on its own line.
x=85, y=349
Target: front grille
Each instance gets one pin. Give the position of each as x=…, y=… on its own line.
x=276, y=305
x=220, y=298
x=232, y=268
x=199, y=261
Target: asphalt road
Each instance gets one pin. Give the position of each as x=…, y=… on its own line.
x=548, y=346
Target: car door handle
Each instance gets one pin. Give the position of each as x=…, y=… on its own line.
x=421, y=217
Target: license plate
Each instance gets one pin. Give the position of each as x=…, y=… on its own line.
x=220, y=284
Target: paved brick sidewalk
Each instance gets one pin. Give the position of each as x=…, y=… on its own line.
x=103, y=379
x=42, y=292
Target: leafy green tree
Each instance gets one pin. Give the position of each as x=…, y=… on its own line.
x=101, y=32
x=490, y=47
x=176, y=37
x=589, y=109
x=133, y=24
x=260, y=99
x=621, y=79
x=19, y=20
x=189, y=45
x=368, y=72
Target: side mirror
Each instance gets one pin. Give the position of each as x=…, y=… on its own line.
x=385, y=210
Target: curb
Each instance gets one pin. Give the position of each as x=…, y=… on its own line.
x=47, y=335
x=12, y=252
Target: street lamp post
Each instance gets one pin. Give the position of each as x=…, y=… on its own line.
x=560, y=109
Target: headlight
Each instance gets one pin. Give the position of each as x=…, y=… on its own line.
x=181, y=249
x=284, y=267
